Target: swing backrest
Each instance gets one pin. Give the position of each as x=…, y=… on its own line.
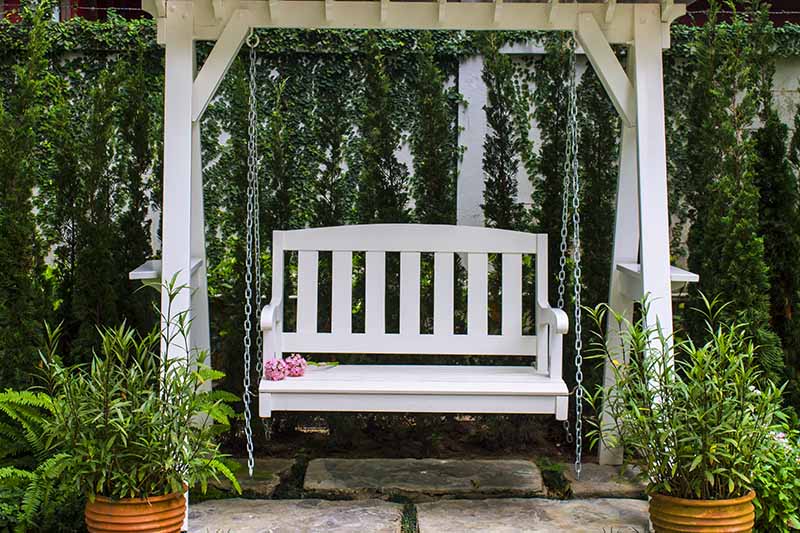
x=472, y=245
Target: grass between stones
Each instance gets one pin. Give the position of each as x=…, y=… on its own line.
x=555, y=482
x=409, y=521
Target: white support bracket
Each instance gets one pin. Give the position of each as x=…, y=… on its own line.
x=218, y=7
x=498, y=11
x=273, y=9
x=329, y=10
x=611, y=9
x=442, y=10
x=670, y=11
x=384, y=11
x=218, y=62
x=551, y=10
x=608, y=69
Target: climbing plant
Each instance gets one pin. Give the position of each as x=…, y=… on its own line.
x=434, y=143
x=383, y=180
x=726, y=249
x=501, y=146
x=23, y=109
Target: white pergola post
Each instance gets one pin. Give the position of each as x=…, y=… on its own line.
x=651, y=140
x=179, y=160
x=626, y=250
x=641, y=229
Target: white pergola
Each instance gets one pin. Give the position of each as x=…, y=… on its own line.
x=641, y=257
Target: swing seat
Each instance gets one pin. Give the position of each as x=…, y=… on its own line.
x=533, y=386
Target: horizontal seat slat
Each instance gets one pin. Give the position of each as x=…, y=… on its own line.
x=393, y=343
x=420, y=379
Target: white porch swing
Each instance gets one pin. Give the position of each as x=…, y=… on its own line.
x=641, y=241
x=521, y=389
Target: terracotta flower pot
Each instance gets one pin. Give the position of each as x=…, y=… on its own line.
x=157, y=514
x=670, y=514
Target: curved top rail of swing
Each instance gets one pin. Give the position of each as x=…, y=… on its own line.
x=410, y=238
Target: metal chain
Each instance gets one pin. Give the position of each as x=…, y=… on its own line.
x=570, y=200
x=562, y=260
x=252, y=245
x=572, y=143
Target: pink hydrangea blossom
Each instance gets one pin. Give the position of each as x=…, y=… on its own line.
x=296, y=365
x=274, y=369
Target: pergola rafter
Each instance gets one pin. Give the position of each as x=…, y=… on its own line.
x=641, y=238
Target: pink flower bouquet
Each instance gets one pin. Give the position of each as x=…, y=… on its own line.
x=296, y=365
x=275, y=369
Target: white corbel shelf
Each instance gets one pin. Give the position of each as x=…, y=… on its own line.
x=631, y=277
x=151, y=269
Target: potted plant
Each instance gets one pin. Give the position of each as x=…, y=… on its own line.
x=693, y=417
x=134, y=430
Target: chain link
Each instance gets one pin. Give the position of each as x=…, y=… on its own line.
x=252, y=254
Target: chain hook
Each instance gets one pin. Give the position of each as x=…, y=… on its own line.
x=252, y=39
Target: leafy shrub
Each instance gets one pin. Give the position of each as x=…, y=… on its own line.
x=131, y=424
x=696, y=429
x=777, y=482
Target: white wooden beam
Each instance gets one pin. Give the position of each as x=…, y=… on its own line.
x=607, y=67
x=177, y=189
x=442, y=11
x=218, y=7
x=611, y=9
x=366, y=14
x=329, y=10
x=670, y=10
x=626, y=249
x=498, y=11
x=652, y=160
x=551, y=10
x=218, y=62
x=384, y=16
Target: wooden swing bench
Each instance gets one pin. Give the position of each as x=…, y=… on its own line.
x=536, y=388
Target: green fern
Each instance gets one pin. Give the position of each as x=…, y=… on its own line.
x=30, y=487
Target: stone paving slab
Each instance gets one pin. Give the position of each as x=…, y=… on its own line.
x=268, y=473
x=294, y=516
x=604, y=481
x=536, y=515
x=422, y=479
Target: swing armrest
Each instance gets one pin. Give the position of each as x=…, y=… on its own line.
x=555, y=318
x=270, y=315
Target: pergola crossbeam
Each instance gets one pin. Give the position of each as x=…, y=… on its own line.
x=607, y=67
x=615, y=19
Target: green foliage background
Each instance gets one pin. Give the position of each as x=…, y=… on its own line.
x=333, y=106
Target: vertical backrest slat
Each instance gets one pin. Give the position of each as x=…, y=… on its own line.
x=307, y=288
x=512, y=294
x=277, y=267
x=443, y=301
x=477, y=294
x=409, y=293
x=376, y=293
x=342, y=297
x=542, y=349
